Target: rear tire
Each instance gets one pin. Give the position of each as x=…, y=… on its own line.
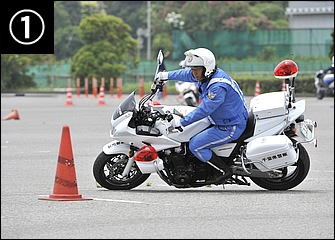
x=107, y=171
x=290, y=179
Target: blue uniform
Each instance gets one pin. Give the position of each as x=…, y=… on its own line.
x=329, y=77
x=223, y=102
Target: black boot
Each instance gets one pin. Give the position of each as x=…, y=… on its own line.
x=222, y=170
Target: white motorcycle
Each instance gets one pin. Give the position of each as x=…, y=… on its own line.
x=189, y=92
x=323, y=89
x=270, y=152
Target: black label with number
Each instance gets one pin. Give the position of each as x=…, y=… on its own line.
x=27, y=28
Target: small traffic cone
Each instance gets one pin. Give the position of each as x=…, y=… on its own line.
x=13, y=115
x=69, y=97
x=65, y=187
x=179, y=95
x=102, y=96
x=283, y=86
x=257, y=88
x=164, y=94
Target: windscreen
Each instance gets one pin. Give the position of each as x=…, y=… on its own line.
x=127, y=105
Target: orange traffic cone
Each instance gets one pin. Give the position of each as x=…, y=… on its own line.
x=13, y=115
x=257, y=88
x=65, y=187
x=164, y=94
x=69, y=97
x=283, y=86
x=102, y=96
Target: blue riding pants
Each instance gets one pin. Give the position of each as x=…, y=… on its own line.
x=201, y=143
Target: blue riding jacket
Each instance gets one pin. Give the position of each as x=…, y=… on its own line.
x=221, y=99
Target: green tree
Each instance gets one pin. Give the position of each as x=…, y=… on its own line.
x=275, y=14
x=14, y=70
x=67, y=42
x=162, y=41
x=73, y=9
x=134, y=13
x=108, y=49
x=89, y=8
x=213, y=16
x=331, y=48
x=61, y=16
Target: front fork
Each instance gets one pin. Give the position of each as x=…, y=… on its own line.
x=130, y=161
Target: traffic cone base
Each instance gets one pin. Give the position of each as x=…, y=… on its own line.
x=13, y=115
x=65, y=186
x=65, y=197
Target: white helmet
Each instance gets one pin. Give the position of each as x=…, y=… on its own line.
x=182, y=64
x=201, y=57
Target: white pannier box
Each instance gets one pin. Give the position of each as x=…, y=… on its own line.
x=271, y=152
x=268, y=105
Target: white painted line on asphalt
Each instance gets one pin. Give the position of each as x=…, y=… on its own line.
x=127, y=201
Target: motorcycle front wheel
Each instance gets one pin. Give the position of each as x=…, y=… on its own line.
x=292, y=175
x=320, y=93
x=107, y=171
x=189, y=101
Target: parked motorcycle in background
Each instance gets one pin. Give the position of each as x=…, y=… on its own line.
x=270, y=151
x=187, y=90
x=324, y=82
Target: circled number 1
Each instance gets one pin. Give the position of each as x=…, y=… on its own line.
x=26, y=26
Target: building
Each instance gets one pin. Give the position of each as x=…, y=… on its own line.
x=310, y=14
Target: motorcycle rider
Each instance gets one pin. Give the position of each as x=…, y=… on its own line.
x=329, y=74
x=190, y=86
x=222, y=102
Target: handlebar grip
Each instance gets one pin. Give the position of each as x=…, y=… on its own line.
x=180, y=129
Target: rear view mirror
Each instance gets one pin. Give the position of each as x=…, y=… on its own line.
x=160, y=57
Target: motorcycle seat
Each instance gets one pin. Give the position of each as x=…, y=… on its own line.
x=249, y=130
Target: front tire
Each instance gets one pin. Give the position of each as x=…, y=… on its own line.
x=189, y=101
x=290, y=179
x=107, y=171
x=320, y=94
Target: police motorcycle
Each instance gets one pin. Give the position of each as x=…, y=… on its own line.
x=270, y=152
x=323, y=89
x=188, y=90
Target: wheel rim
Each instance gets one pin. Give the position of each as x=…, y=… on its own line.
x=114, y=167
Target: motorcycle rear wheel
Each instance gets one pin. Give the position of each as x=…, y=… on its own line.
x=290, y=179
x=107, y=171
